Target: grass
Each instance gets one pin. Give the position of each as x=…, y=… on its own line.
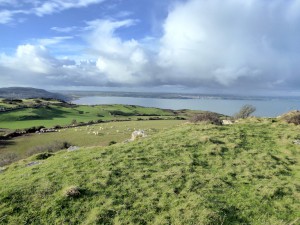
x=25, y=146
x=246, y=173
x=56, y=114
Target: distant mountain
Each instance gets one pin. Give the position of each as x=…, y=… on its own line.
x=24, y=92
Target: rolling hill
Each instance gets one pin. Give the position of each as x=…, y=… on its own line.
x=25, y=92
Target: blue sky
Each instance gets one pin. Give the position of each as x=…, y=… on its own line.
x=215, y=46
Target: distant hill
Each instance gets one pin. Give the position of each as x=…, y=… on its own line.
x=25, y=92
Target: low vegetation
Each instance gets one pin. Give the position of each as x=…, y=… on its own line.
x=245, y=173
x=291, y=117
x=209, y=117
x=245, y=112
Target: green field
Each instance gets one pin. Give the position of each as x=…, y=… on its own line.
x=92, y=135
x=245, y=173
x=50, y=113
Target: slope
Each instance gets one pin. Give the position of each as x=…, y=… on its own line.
x=246, y=173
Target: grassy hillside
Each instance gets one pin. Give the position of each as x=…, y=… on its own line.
x=246, y=173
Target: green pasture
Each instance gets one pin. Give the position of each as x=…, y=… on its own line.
x=92, y=135
x=245, y=173
x=53, y=115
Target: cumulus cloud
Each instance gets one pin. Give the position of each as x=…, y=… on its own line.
x=123, y=62
x=227, y=42
x=32, y=64
x=240, y=44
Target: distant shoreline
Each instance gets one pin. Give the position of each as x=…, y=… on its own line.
x=80, y=94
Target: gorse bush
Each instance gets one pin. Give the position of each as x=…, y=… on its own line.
x=245, y=112
x=206, y=117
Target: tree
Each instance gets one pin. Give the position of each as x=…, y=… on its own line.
x=245, y=112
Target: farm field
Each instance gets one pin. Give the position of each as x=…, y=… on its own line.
x=50, y=114
x=90, y=135
x=245, y=173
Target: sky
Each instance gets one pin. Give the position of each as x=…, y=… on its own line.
x=202, y=46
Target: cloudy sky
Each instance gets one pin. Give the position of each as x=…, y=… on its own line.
x=215, y=46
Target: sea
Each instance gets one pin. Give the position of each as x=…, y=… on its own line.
x=268, y=107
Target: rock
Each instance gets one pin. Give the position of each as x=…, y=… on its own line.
x=73, y=148
x=296, y=142
x=33, y=163
x=227, y=122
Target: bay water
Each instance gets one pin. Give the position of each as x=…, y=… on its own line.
x=264, y=108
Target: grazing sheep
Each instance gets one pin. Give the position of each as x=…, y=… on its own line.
x=137, y=134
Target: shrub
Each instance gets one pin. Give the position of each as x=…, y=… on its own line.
x=295, y=119
x=74, y=122
x=33, y=129
x=206, y=117
x=43, y=156
x=112, y=143
x=245, y=112
x=73, y=192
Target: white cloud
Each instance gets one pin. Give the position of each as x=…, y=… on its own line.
x=40, y=8
x=33, y=64
x=121, y=61
x=225, y=42
x=29, y=58
x=6, y=16
x=53, y=40
x=64, y=29
x=54, y=6
x=240, y=44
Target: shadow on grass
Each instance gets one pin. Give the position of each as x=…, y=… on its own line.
x=4, y=143
x=46, y=113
